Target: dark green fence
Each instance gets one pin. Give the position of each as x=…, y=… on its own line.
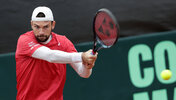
x=128, y=71
x=7, y=77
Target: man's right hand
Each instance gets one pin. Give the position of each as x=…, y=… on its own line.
x=89, y=59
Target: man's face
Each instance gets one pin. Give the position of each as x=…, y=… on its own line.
x=42, y=29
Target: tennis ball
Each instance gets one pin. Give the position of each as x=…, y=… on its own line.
x=166, y=74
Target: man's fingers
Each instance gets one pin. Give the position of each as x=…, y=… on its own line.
x=89, y=66
x=89, y=59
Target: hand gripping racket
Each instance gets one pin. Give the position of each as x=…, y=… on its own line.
x=105, y=29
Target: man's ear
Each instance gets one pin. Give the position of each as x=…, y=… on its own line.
x=53, y=25
x=31, y=24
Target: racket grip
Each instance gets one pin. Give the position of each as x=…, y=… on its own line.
x=93, y=53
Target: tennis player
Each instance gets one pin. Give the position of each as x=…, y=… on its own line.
x=41, y=58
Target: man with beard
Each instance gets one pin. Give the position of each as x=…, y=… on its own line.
x=41, y=58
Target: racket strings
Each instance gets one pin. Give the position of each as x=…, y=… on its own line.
x=105, y=29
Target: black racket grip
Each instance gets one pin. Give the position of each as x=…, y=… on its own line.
x=93, y=52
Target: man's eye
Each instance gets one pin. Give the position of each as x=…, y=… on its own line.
x=36, y=27
x=45, y=26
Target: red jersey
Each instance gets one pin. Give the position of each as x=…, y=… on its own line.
x=38, y=79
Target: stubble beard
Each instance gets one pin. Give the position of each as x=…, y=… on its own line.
x=42, y=38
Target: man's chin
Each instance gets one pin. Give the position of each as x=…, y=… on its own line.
x=42, y=39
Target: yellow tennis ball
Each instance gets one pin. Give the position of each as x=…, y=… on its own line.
x=166, y=74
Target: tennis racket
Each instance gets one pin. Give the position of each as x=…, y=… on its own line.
x=105, y=30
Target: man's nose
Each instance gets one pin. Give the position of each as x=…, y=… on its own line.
x=41, y=31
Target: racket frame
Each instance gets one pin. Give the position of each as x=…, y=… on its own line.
x=96, y=38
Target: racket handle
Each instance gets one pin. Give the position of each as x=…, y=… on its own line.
x=93, y=53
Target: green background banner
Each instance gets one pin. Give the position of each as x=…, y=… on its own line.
x=128, y=71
